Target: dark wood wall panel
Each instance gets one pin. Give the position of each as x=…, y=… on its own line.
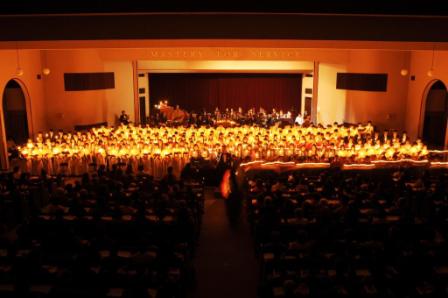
x=308, y=104
x=89, y=81
x=142, y=102
x=362, y=81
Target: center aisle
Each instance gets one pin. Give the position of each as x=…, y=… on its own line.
x=225, y=262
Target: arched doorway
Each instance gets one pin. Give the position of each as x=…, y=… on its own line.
x=435, y=116
x=15, y=113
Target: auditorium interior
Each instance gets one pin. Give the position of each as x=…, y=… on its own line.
x=156, y=152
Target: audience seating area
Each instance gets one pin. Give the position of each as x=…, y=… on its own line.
x=108, y=234
x=339, y=233
x=317, y=233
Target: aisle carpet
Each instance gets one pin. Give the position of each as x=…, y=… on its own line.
x=225, y=262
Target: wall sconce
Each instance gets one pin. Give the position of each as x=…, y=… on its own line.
x=19, y=70
x=404, y=71
x=45, y=69
x=430, y=72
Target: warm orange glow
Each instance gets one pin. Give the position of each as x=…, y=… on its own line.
x=358, y=166
x=404, y=160
x=278, y=163
x=225, y=185
x=438, y=151
x=225, y=65
x=291, y=146
x=439, y=164
x=313, y=165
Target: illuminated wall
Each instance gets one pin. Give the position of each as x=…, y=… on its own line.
x=420, y=64
x=68, y=108
x=30, y=62
x=64, y=109
x=331, y=102
x=384, y=109
x=122, y=97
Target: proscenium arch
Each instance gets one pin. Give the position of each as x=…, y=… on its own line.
x=217, y=64
x=423, y=106
x=3, y=141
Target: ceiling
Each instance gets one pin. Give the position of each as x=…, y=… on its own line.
x=395, y=7
x=249, y=26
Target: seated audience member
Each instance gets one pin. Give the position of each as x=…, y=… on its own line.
x=170, y=178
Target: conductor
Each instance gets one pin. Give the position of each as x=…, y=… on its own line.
x=124, y=118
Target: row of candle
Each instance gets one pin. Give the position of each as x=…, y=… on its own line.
x=250, y=142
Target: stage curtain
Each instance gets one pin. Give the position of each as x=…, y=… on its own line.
x=194, y=92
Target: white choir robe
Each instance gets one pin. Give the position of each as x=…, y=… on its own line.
x=152, y=165
x=100, y=160
x=56, y=162
x=64, y=170
x=76, y=167
x=86, y=160
x=185, y=160
x=177, y=164
x=111, y=160
x=134, y=161
x=47, y=164
x=36, y=166
x=166, y=162
x=146, y=161
x=158, y=167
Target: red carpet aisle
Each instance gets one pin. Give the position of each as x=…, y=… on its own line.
x=225, y=262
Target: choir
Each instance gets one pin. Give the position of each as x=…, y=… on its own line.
x=157, y=148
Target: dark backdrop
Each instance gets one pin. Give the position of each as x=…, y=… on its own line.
x=208, y=91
